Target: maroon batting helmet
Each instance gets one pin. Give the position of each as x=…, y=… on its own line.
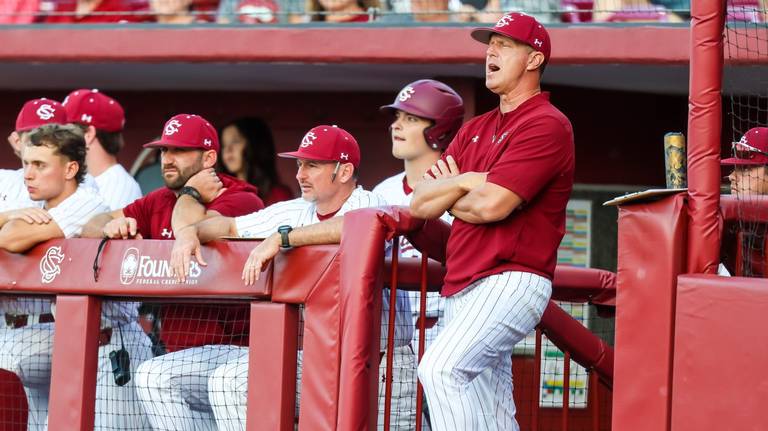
x=433, y=100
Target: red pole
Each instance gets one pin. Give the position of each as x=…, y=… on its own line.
x=536, y=382
x=704, y=134
x=594, y=400
x=422, y=334
x=391, y=333
x=566, y=388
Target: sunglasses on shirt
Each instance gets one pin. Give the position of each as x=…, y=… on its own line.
x=746, y=151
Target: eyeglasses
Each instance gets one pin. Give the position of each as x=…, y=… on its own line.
x=745, y=151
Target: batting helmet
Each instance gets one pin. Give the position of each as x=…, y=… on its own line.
x=433, y=100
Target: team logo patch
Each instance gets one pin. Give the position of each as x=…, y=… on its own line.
x=172, y=127
x=86, y=118
x=143, y=269
x=537, y=42
x=406, y=93
x=50, y=264
x=207, y=142
x=45, y=112
x=344, y=156
x=308, y=139
x=504, y=21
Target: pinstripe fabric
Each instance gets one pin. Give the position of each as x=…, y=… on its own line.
x=391, y=189
x=117, y=187
x=298, y=212
x=213, y=375
x=467, y=372
x=13, y=192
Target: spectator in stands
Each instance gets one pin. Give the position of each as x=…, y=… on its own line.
x=34, y=113
x=491, y=10
x=54, y=170
x=248, y=12
x=102, y=119
x=94, y=11
x=193, y=192
x=248, y=153
x=178, y=12
x=340, y=11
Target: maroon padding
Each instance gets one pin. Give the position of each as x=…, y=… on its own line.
x=272, y=367
x=13, y=403
x=704, y=130
x=748, y=209
x=721, y=348
x=21, y=272
x=651, y=255
x=586, y=349
x=75, y=358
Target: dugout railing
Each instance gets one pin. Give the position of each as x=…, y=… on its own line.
x=340, y=290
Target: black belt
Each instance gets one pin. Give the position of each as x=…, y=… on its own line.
x=16, y=321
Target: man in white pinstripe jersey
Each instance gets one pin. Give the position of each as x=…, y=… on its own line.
x=102, y=120
x=54, y=169
x=328, y=161
x=506, y=178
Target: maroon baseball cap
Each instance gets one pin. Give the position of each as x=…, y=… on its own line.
x=38, y=112
x=752, y=148
x=93, y=108
x=187, y=131
x=520, y=27
x=327, y=144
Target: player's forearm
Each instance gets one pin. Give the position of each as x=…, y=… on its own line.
x=483, y=205
x=214, y=228
x=95, y=226
x=432, y=198
x=187, y=211
x=18, y=236
x=325, y=232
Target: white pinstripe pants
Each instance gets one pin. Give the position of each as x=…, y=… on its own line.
x=467, y=371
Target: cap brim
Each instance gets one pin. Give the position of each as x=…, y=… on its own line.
x=390, y=107
x=167, y=143
x=302, y=155
x=733, y=161
x=483, y=34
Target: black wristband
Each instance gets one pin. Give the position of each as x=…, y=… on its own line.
x=284, y=231
x=191, y=191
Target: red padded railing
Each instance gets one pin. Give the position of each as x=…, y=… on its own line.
x=340, y=288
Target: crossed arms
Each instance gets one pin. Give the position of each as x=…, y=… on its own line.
x=468, y=196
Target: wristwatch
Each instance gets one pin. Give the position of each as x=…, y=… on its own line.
x=187, y=190
x=284, y=230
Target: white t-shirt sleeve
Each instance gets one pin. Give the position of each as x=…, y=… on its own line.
x=117, y=187
x=75, y=211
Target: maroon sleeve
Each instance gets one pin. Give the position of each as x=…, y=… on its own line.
x=236, y=203
x=138, y=210
x=542, y=150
